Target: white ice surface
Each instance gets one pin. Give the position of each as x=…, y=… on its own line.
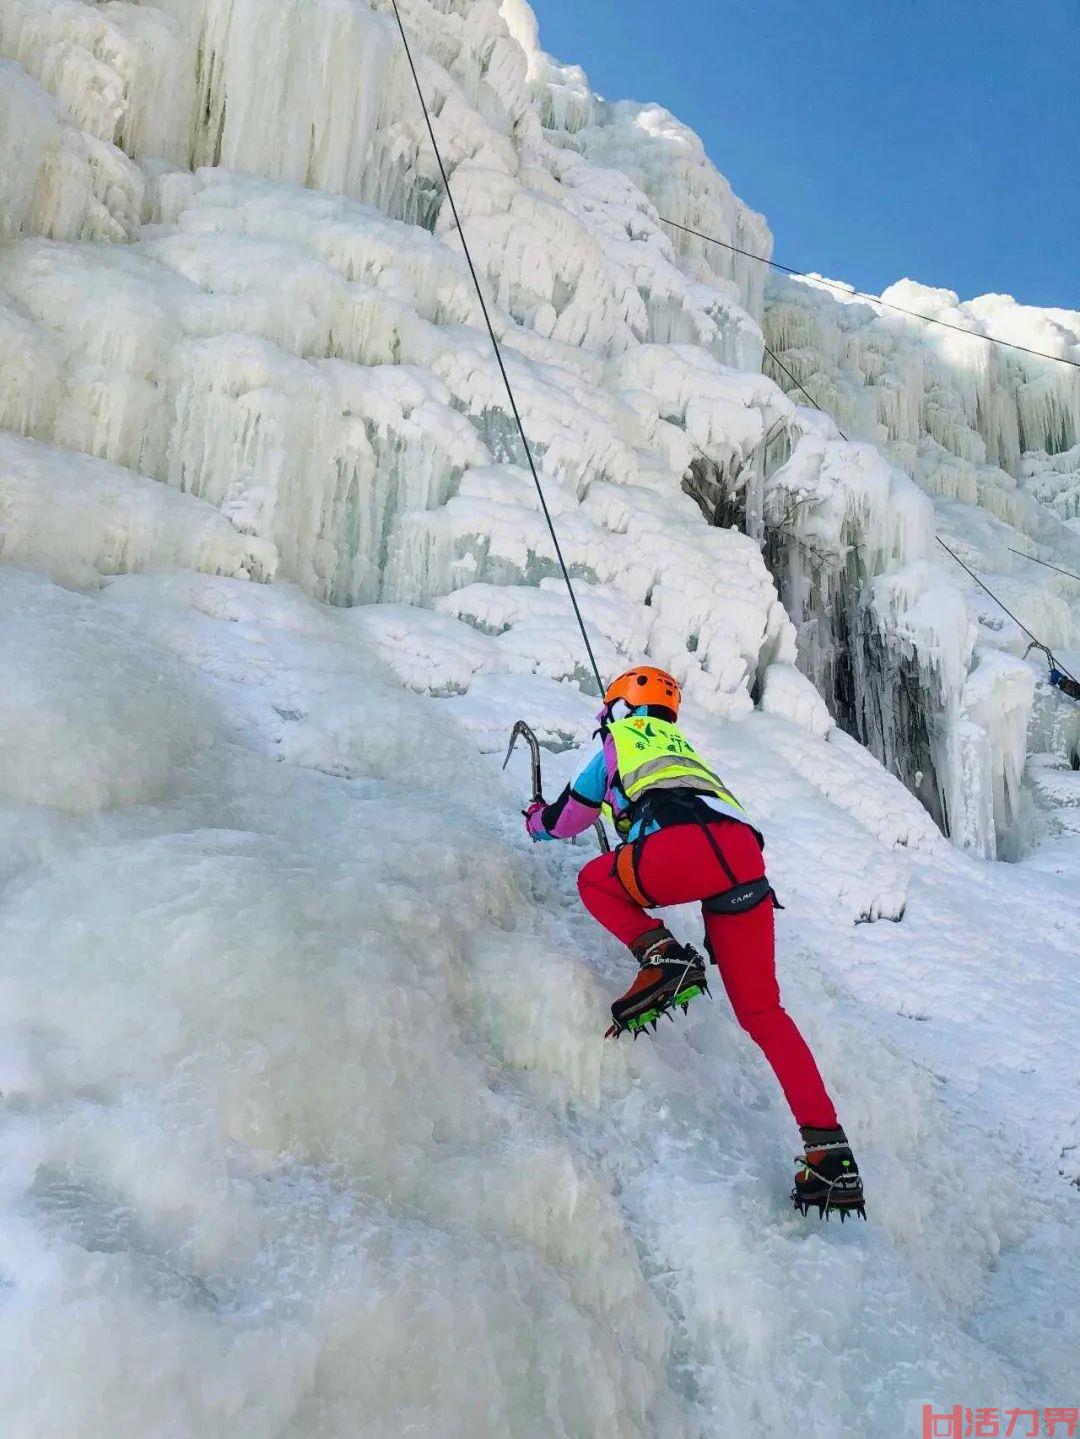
x=292, y=337
x=310, y=1132
x=81, y=518
x=302, y=1069
x=985, y=431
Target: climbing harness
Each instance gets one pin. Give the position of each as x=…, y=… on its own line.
x=672, y=807
x=498, y=353
x=625, y=869
x=864, y=295
x=741, y=897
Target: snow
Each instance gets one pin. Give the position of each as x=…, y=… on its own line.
x=88, y=726
x=314, y=368
x=29, y=127
x=80, y=519
x=1054, y=480
x=788, y=693
x=310, y=1129
x=985, y=432
x=187, y=916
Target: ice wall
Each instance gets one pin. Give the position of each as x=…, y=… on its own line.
x=985, y=432
x=1054, y=480
x=309, y=1130
x=289, y=335
x=282, y=340
x=901, y=382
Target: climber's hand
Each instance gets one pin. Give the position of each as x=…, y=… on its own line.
x=534, y=826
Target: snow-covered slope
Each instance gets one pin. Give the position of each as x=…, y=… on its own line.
x=310, y=1129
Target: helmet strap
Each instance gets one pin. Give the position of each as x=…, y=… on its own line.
x=603, y=719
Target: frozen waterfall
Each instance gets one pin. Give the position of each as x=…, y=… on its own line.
x=309, y=1130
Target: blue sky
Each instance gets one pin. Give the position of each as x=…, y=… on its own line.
x=933, y=138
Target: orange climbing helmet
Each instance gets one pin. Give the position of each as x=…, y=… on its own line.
x=645, y=685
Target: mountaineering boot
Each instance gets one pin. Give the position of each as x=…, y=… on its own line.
x=827, y=1177
x=669, y=974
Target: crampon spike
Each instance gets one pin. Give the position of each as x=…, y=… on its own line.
x=845, y=1209
x=826, y=1211
x=648, y=1018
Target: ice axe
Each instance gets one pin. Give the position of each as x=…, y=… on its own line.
x=523, y=731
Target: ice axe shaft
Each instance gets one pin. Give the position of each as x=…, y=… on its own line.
x=523, y=731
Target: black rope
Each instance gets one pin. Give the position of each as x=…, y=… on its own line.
x=498, y=351
x=1033, y=638
x=1038, y=643
x=779, y=363
x=873, y=299
x=1046, y=563
x=814, y=404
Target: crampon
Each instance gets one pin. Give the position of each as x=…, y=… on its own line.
x=827, y=1178
x=659, y=989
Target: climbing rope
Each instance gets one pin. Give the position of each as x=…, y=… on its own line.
x=1036, y=642
x=498, y=352
x=775, y=264
x=1045, y=563
x=797, y=382
x=1000, y=603
x=780, y=365
x=873, y=299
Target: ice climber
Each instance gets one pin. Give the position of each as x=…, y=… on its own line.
x=685, y=838
x=1064, y=683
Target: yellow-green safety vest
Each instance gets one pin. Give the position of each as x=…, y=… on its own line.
x=653, y=754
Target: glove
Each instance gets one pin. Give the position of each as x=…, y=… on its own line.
x=532, y=818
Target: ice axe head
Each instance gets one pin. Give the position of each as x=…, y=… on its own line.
x=522, y=731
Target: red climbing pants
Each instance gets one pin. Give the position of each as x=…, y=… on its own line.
x=678, y=865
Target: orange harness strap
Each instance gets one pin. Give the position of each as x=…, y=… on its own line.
x=625, y=870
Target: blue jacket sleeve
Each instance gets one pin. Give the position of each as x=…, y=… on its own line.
x=578, y=805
